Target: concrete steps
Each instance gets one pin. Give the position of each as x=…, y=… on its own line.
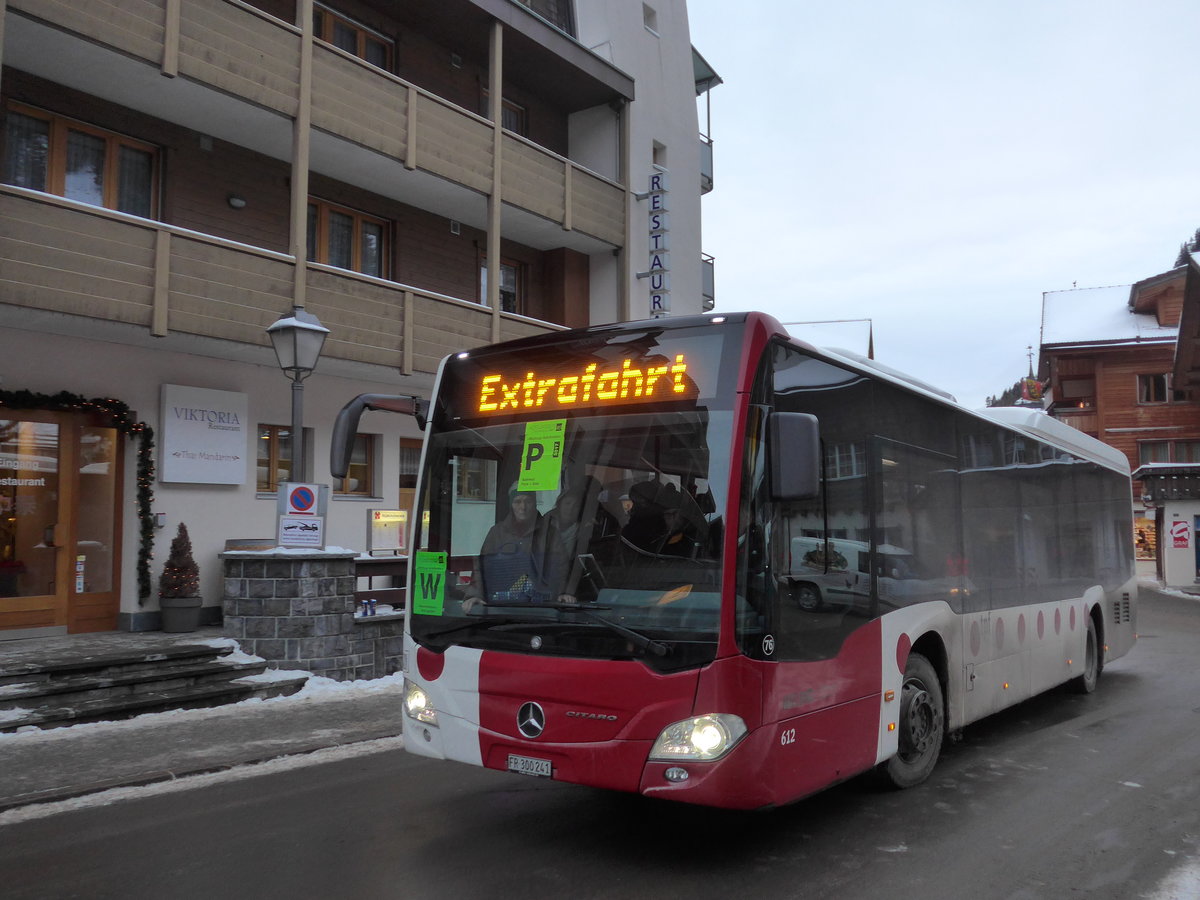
x=69, y=688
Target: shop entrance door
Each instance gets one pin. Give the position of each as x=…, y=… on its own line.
x=60, y=482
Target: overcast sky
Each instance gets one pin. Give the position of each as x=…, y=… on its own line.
x=935, y=165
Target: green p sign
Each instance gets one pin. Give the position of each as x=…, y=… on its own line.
x=541, y=455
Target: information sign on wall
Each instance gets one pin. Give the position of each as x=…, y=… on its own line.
x=386, y=529
x=302, y=509
x=203, y=438
x=1180, y=533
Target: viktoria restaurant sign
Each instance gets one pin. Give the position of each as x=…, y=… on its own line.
x=203, y=435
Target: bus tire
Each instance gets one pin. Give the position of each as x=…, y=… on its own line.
x=1092, y=664
x=922, y=726
x=808, y=596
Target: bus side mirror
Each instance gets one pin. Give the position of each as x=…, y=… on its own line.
x=794, y=456
x=345, y=427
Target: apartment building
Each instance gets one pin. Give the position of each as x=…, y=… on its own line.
x=1109, y=355
x=424, y=177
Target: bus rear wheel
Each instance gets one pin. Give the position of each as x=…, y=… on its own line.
x=922, y=725
x=1086, y=683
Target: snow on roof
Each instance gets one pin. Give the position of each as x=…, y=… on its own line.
x=1098, y=315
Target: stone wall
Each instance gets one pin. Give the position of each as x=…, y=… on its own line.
x=295, y=609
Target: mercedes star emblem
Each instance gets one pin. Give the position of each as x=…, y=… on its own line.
x=531, y=720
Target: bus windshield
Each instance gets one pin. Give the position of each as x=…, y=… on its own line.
x=595, y=533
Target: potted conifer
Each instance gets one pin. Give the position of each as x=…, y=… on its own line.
x=179, y=588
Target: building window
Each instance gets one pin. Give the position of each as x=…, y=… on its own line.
x=274, y=457
x=1078, y=392
x=556, y=12
x=45, y=152
x=1157, y=389
x=475, y=479
x=511, y=288
x=1168, y=452
x=410, y=462
x=845, y=461
x=512, y=115
x=348, y=239
x=360, y=476
x=1187, y=451
x=355, y=39
x=650, y=19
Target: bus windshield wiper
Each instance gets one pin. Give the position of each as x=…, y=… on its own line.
x=649, y=645
x=486, y=621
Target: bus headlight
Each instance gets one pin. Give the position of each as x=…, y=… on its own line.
x=702, y=738
x=418, y=705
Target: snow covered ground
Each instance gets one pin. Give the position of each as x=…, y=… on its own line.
x=192, y=782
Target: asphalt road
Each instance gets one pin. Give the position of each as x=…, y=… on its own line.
x=1063, y=797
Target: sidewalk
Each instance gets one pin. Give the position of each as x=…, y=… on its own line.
x=41, y=766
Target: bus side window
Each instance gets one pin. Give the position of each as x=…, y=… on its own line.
x=821, y=595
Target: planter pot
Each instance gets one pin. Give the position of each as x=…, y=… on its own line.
x=180, y=613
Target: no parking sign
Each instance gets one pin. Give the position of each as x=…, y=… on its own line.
x=302, y=515
x=302, y=500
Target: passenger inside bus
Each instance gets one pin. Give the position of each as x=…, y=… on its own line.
x=520, y=561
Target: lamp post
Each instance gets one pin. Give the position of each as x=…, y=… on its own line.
x=297, y=337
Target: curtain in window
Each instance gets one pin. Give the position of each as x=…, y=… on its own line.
x=85, y=168
x=28, y=144
x=345, y=38
x=135, y=182
x=341, y=240
x=372, y=249
x=377, y=53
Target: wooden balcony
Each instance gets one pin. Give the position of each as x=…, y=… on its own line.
x=238, y=51
x=1083, y=420
x=67, y=257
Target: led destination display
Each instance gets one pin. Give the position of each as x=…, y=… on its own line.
x=614, y=371
x=589, y=386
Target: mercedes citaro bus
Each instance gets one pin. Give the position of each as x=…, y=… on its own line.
x=782, y=566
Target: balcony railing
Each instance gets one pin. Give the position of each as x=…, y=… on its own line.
x=67, y=257
x=1085, y=420
x=245, y=53
x=706, y=164
x=708, y=281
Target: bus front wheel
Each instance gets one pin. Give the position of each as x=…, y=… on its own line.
x=922, y=725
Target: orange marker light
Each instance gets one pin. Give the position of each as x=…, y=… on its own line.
x=889, y=696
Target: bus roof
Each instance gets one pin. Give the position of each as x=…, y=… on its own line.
x=1045, y=428
x=1030, y=422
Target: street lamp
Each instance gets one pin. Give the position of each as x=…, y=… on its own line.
x=297, y=337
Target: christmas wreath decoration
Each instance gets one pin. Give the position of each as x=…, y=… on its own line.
x=119, y=416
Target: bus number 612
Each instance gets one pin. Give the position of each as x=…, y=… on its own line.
x=787, y=736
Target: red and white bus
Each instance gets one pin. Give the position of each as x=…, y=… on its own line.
x=780, y=566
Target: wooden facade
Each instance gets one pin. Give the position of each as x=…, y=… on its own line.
x=1100, y=387
x=206, y=269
